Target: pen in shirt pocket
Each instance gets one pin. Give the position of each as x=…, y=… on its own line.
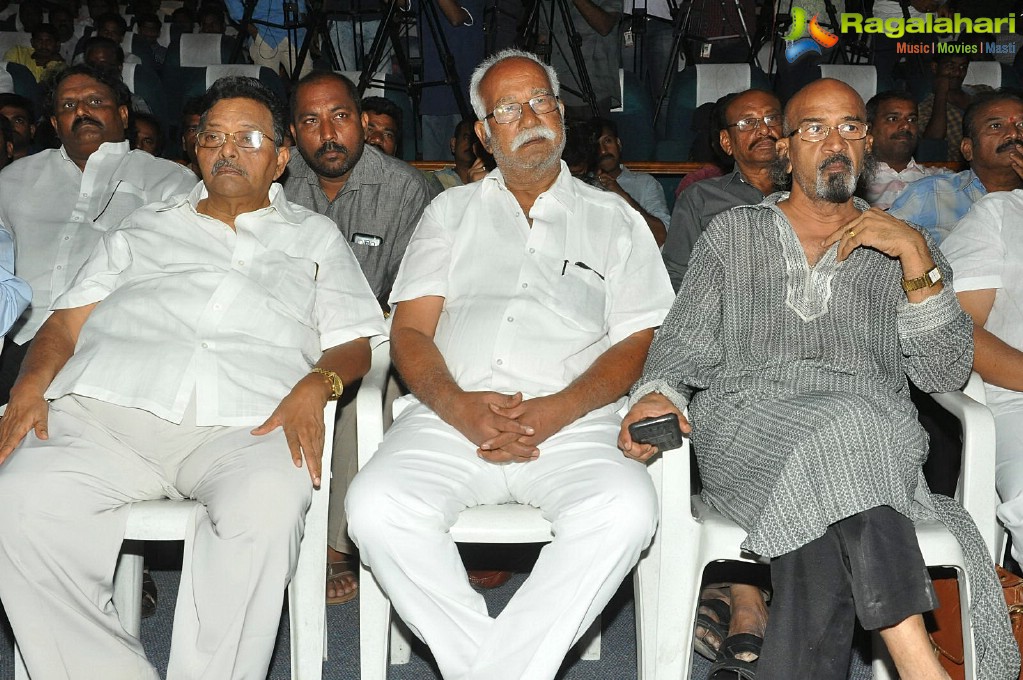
x=581, y=265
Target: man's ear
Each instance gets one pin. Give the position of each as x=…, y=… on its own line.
x=870, y=142
x=481, y=133
x=725, y=141
x=283, y=155
x=123, y=110
x=451, y=145
x=966, y=148
x=782, y=147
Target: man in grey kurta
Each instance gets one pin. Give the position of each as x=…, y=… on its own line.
x=747, y=125
x=790, y=342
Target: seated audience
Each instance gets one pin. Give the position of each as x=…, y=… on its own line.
x=191, y=113
x=6, y=143
x=942, y=111
x=60, y=202
x=747, y=126
x=790, y=342
x=992, y=140
x=182, y=21
x=21, y=114
x=640, y=190
x=64, y=21
x=381, y=119
x=895, y=129
x=582, y=151
x=104, y=53
x=148, y=134
x=468, y=166
x=511, y=362
x=375, y=201
x=147, y=29
x=149, y=368
x=211, y=19
x=986, y=252
x=43, y=57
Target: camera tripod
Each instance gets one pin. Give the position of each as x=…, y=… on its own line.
x=545, y=10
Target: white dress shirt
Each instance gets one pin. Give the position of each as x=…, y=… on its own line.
x=887, y=184
x=235, y=317
x=986, y=252
x=58, y=212
x=530, y=309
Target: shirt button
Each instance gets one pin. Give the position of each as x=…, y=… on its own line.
x=241, y=263
x=532, y=250
x=85, y=194
x=67, y=238
x=76, y=218
x=525, y=285
x=511, y=318
x=500, y=362
x=216, y=306
x=59, y=267
x=205, y=346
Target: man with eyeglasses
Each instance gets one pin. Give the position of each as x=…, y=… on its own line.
x=894, y=125
x=791, y=343
x=746, y=126
x=59, y=202
x=180, y=364
x=992, y=145
x=640, y=190
x=523, y=311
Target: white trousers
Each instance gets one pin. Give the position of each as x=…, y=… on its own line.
x=62, y=519
x=602, y=507
x=283, y=56
x=1009, y=472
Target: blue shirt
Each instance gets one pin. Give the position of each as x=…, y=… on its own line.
x=15, y=293
x=272, y=12
x=937, y=203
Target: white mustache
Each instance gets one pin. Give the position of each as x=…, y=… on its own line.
x=530, y=134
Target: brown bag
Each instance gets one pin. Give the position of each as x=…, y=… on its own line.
x=947, y=629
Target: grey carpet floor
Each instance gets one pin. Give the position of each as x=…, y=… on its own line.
x=617, y=662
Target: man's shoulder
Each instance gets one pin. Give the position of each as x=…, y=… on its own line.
x=155, y=171
x=1001, y=203
x=378, y=167
x=939, y=182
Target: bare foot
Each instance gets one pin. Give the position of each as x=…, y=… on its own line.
x=711, y=639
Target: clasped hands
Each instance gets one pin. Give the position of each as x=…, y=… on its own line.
x=507, y=428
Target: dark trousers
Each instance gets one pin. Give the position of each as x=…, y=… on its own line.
x=867, y=566
x=10, y=364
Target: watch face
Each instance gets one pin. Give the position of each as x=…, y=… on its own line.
x=934, y=276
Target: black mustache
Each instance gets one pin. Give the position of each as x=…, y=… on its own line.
x=1011, y=144
x=836, y=158
x=765, y=137
x=331, y=146
x=902, y=135
x=83, y=120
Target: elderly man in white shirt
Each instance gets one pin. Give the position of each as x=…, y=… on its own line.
x=525, y=306
x=986, y=251
x=197, y=346
x=59, y=202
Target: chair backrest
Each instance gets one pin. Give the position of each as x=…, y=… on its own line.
x=18, y=79
x=990, y=73
x=145, y=83
x=635, y=120
x=862, y=78
x=9, y=39
x=199, y=49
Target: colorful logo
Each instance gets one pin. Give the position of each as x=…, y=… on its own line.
x=798, y=45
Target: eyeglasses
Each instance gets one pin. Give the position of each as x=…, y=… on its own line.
x=747, y=124
x=509, y=113
x=243, y=139
x=818, y=132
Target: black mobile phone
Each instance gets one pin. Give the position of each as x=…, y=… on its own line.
x=661, y=431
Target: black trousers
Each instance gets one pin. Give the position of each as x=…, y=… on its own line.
x=867, y=566
x=10, y=364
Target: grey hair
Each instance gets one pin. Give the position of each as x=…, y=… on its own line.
x=476, y=99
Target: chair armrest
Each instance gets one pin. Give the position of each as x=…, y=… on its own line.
x=976, y=488
x=369, y=403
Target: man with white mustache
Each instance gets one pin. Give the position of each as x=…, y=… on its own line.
x=522, y=314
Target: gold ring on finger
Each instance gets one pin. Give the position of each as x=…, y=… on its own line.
x=850, y=233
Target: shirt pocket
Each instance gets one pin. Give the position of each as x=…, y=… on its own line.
x=289, y=283
x=579, y=296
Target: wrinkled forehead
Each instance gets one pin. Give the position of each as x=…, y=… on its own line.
x=507, y=79
x=829, y=102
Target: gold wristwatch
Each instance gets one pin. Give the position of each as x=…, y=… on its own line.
x=337, y=387
x=926, y=281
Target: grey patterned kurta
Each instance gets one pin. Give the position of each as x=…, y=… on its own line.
x=796, y=383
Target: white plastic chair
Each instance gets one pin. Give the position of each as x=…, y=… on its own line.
x=167, y=520
x=510, y=523
x=705, y=536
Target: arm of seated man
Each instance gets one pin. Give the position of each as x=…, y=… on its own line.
x=997, y=362
x=300, y=413
x=604, y=382
x=424, y=371
x=52, y=346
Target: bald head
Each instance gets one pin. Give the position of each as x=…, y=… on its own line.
x=827, y=94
